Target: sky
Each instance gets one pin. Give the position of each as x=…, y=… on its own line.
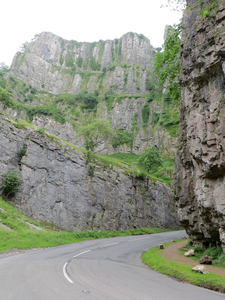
x=81, y=20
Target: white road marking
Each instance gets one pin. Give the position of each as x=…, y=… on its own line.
x=109, y=245
x=65, y=273
x=64, y=267
x=81, y=253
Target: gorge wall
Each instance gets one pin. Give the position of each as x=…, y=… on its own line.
x=117, y=71
x=56, y=65
x=201, y=156
x=57, y=186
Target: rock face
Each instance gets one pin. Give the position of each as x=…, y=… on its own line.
x=117, y=68
x=58, y=66
x=56, y=187
x=201, y=156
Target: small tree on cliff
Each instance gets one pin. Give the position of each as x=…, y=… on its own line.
x=94, y=131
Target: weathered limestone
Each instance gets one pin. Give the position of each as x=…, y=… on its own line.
x=56, y=187
x=201, y=156
x=57, y=66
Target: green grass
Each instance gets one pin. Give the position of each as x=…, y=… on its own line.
x=22, y=237
x=164, y=173
x=156, y=260
x=216, y=253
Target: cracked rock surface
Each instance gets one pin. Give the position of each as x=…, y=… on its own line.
x=201, y=157
x=56, y=187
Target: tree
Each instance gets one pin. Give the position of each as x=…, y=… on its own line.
x=150, y=160
x=167, y=63
x=11, y=183
x=97, y=129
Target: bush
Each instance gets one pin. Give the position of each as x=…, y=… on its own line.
x=150, y=160
x=11, y=183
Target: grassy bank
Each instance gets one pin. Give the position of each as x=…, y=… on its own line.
x=156, y=260
x=22, y=237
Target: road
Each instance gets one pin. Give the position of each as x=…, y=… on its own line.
x=96, y=270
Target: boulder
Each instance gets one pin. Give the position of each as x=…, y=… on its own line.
x=205, y=260
x=200, y=269
x=191, y=252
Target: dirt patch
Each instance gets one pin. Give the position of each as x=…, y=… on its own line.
x=172, y=252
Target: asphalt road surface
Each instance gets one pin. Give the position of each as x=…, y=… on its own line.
x=96, y=270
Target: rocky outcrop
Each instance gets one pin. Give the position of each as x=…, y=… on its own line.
x=55, y=65
x=57, y=187
x=201, y=156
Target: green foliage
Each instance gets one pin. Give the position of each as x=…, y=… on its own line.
x=69, y=60
x=155, y=118
x=123, y=137
x=79, y=62
x=22, y=152
x=216, y=253
x=95, y=65
x=88, y=100
x=145, y=114
x=97, y=129
x=205, y=12
x=6, y=99
x=2, y=80
x=170, y=119
x=150, y=159
x=11, y=183
x=149, y=85
x=49, y=110
x=167, y=63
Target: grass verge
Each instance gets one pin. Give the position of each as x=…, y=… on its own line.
x=22, y=237
x=155, y=259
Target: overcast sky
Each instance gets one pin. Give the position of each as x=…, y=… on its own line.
x=81, y=20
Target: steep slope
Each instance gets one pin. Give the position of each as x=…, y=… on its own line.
x=201, y=164
x=60, y=187
x=110, y=79
x=55, y=65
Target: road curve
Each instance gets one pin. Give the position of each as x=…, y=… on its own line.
x=100, y=269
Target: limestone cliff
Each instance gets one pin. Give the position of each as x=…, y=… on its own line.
x=116, y=71
x=55, y=65
x=57, y=186
x=201, y=156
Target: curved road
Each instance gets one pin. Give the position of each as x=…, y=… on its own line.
x=100, y=269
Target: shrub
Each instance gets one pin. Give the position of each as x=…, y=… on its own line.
x=11, y=183
x=22, y=152
x=79, y=62
x=150, y=160
x=145, y=114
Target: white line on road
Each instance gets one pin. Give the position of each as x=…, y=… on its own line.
x=109, y=245
x=64, y=267
x=65, y=273
x=81, y=253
